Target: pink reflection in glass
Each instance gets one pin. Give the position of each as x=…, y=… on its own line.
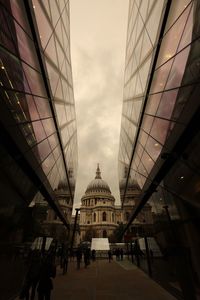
x=160, y=77
x=153, y=103
x=49, y=126
x=143, y=137
x=187, y=34
x=26, y=48
x=19, y=13
x=147, y=123
x=44, y=27
x=34, y=80
x=32, y=108
x=171, y=39
x=38, y=131
x=167, y=103
x=159, y=130
x=177, y=7
x=53, y=140
x=178, y=69
x=43, y=107
x=153, y=148
x=43, y=149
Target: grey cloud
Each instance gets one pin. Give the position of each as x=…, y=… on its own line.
x=98, y=87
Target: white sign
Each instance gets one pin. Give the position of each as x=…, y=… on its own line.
x=100, y=244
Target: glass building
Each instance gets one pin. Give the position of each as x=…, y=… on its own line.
x=37, y=124
x=159, y=141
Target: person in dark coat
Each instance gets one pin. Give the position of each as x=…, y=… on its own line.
x=109, y=256
x=65, y=262
x=32, y=278
x=121, y=254
x=78, y=258
x=117, y=253
x=86, y=255
x=45, y=285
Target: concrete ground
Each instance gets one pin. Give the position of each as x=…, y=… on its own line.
x=107, y=281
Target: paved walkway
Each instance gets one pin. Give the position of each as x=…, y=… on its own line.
x=107, y=281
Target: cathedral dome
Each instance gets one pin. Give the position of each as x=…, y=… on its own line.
x=98, y=184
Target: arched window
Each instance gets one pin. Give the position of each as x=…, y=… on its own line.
x=104, y=234
x=104, y=216
x=94, y=217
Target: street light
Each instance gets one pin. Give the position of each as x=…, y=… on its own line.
x=74, y=228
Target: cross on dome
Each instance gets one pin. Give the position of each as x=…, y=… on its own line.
x=98, y=172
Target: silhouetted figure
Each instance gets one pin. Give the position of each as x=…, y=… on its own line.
x=109, y=256
x=45, y=285
x=117, y=253
x=86, y=257
x=121, y=254
x=78, y=258
x=32, y=278
x=65, y=262
x=93, y=255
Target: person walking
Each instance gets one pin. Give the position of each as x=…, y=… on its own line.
x=78, y=258
x=121, y=254
x=117, y=253
x=109, y=256
x=65, y=262
x=32, y=278
x=45, y=285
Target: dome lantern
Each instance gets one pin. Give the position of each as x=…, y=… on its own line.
x=98, y=185
x=98, y=172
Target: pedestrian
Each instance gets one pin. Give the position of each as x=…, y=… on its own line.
x=86, y=255
x=45, y=285
x=78, y=258
x=109, y=256
x=32, y=278
x=121, y=254
x=117, y=253
x=65, y=262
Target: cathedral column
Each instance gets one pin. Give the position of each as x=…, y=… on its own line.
x=99, y=215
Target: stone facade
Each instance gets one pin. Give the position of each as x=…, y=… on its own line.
x=99, y=216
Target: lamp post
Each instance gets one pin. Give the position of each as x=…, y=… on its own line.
x=74, y=228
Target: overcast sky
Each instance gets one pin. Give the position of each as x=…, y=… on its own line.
x=98, y=40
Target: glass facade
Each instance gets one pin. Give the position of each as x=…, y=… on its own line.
x=37, y=124
x=160, y=133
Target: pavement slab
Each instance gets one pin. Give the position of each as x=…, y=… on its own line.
x=102, y=280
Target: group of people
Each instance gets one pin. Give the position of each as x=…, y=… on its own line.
x=86, y=254
x=119, y=253
x=40, y=272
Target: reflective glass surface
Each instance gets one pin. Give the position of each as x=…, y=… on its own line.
x=151, y=129
x=38, y=160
